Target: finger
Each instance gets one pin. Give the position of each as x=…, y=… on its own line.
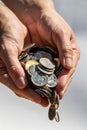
x=64, y=47
x=27, y=93
x=66, y=74
x=61, y=93
x=76, y=51
x=63, y=79
x=9, y=54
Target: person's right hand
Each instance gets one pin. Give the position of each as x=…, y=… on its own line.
x=12, y=37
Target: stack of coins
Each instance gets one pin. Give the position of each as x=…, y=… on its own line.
x=42, y=67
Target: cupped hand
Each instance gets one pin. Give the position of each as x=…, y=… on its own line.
x=12, y=38
x=47, y=28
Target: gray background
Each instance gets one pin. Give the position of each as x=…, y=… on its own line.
x=20, y=114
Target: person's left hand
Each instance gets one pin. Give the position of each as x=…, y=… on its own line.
x=12, y=36
x=47, y=28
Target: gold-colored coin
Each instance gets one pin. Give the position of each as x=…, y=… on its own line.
x=30, y=63
x=57, y=60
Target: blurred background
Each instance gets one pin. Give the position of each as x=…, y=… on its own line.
x=20, y=114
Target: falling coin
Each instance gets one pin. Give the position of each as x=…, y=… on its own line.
x=57, y=118
x=52, y=112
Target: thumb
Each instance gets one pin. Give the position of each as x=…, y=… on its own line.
x=9, y=54
x=64, y=47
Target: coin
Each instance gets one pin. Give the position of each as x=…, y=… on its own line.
x=48, y=89
x=52, y=81
x=57, y=118
x=39, y=79
x=30, y=63
x=58, y=70
x=52, y=112
x=43, y=66
x=57, y=62
x=23, y=57
x=39, y=92
x=46, y=92
x=47, y=63
x=31, y=70
x=45, y=71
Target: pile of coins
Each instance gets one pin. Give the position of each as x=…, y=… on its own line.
x=42, y=68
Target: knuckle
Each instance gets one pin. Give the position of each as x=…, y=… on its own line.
x=67, y=51
x=12, y=69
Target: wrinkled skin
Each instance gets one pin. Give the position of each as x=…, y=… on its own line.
x=40, y=25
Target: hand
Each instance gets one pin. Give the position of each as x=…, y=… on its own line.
x=12, y=36
x=47, y=28
x=51, y=30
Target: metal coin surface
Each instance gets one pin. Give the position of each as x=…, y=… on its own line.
x=39, y=92
x=52, y=112
x=30, y=63
x=57, y=118
x=52, y=81
x=48, y=89
x=23, y=56
x=45, y=71
x=45, y=62
x=39, y=79
x=31, y=70
x=46, y=92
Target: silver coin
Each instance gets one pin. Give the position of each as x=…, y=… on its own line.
x=48, y=89
x=39, y=92
x=31, y=70
x=45, y=71
x=42, y=92
x=47, y=63
x=23, y=56
x=52, y=81
x=39, y=79
x=57, y=118
x=46, y=92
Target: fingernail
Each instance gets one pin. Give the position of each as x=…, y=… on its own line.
x=68, y=62
x=21, y=83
